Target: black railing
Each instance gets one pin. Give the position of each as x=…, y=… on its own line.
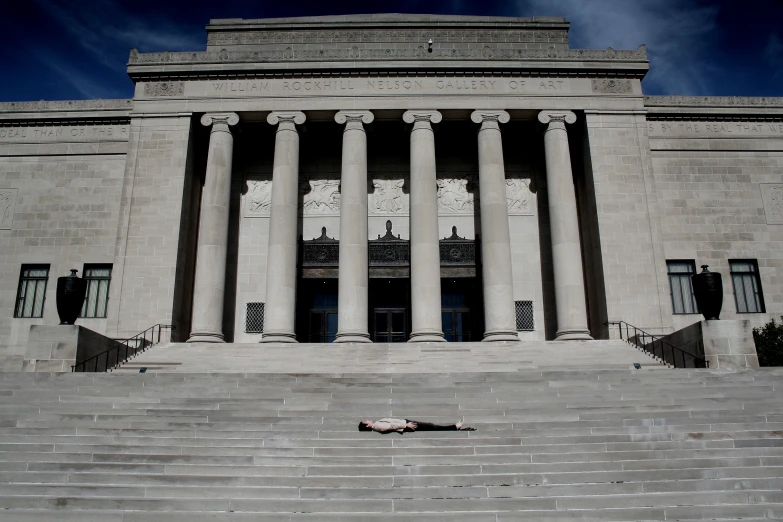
x=122, y=350
x=657, y=347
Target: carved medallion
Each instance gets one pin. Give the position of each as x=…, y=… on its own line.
x=258, y=198
x=321, y=196
x=611, y=86
x=388, y=197
x=772, y=196
x=453, y=196
x=162, y=89
x=518, y=196
x=7, y=204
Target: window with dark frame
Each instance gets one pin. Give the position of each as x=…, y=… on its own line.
x=96, y=299
x=747, y=286
x=680, y=272
x=31, y=294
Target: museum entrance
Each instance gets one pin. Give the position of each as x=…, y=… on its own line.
x=317, y=321
x=390, y=305
x=461, y=309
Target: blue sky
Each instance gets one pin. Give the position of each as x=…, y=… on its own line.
x=77, y=49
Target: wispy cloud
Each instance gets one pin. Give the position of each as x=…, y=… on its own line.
x=84, y=82
x=678, y=35
x=104, y=26
x=774, y=55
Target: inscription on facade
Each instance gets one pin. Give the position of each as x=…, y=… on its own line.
x=7, y=204
x=407, y=86
x=703, y=129
x=772, y=196
x=38, y=134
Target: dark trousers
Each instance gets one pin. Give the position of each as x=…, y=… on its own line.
x=428, y=426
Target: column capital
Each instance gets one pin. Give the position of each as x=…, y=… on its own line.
x=365, y=117
x=547, y=117
x=217, y=118
x=414, y=116
x=276, y=117
x=481, y=116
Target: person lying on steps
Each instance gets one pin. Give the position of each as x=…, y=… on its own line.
x=388, y=425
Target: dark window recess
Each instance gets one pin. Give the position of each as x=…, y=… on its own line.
x=681, y=287
x=747, y=286
x=254, y=318
x=524, y=310
x=31, y=293
x=96, y=300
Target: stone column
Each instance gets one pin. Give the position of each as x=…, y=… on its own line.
x=426, y=324
x=352, y=318
x=564, y=226
x=210, y=280
x=499, y=313
x=280, y=309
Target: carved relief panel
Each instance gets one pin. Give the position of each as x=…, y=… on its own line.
x=7, y=204
x=519, y=198
x=388, y=197
x=454, y=197
x=772, y=196
x=320, y=196
x=258, y=198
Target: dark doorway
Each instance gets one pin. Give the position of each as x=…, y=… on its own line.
x=318, y=311
x=390, y=305
x=461, y=310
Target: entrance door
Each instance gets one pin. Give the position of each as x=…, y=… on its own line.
x=460, y=310
x=323, y=326
x=456, y=324
x=390, y=325
x=316, y=310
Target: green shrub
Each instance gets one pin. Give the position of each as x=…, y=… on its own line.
x=769, y=343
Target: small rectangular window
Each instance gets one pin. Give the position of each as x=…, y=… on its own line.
x=254, y=318
x=524, y=311
x=747, y=286
x=683, y=300
x=31, y=293
x=96, y=300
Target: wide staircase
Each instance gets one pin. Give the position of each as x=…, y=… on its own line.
x=554, y=442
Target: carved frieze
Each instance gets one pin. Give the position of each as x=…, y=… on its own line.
x=519, y=197
x=163, y=89
x=258, y=198
x=454, y=197
x=388, y=197
x=321, y=196
x=7, y=204
x=391, y=36
x=772, y=196
x=612, y=86
x=352, y=52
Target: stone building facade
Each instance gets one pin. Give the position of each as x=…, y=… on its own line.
x=388, y=178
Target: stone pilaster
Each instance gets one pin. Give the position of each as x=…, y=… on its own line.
x=426, y=323
x=280, y=309
x=564, y=227
x=210, y=280
x=499, y=314
x=352, y=305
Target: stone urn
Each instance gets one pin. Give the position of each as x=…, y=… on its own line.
x=708, y=291
x=70, y=297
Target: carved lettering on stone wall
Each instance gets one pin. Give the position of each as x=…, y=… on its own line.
x=321, y=196
x=7, y=204
x=453, y=196
x=772, y=196
x=164, y=89
x=258, y=198
x=388, y=197
x=518, y=196
x=608, y=86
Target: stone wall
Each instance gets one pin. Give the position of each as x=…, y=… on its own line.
x=64, y=185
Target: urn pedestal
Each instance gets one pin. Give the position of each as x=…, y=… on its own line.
x=70, y=297
x=708, y=291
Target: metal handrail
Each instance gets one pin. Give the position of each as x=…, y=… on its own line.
x=122, y=350
x=658, y=348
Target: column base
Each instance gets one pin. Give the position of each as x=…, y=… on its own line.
x=352, y=337
x=573, y=334
x=278, y=337
x=206, y=337
x=500, y=335
x=427, y=337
